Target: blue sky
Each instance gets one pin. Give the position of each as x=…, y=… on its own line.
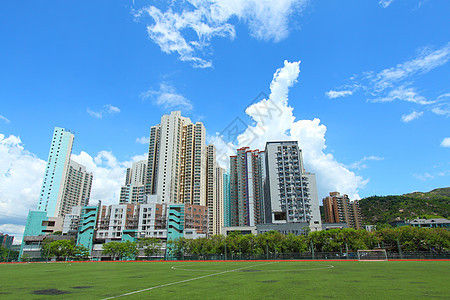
x=375, y=73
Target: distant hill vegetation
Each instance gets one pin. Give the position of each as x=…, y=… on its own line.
x=385, y=209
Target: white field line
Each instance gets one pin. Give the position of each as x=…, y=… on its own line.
x=187, y=280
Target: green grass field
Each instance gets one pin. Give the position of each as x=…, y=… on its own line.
x=227, y=280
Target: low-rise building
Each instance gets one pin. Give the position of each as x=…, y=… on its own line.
x=6, y=240
x=429, y=223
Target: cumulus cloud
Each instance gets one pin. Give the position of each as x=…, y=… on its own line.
x=273, y=119
x=336, y=94
x=187, y=27
x=21, y=174
x=14, y=230
x=109, y=174
x=168, y=98
x=446, y=142
x=412, y=116
x=4, y=119
x=143, y=140
x=396, y=83
x=107, y=109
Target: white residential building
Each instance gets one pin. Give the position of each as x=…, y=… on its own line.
x=135, y=184
x=290, y=194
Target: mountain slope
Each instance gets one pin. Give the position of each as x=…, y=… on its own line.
x=382, y=210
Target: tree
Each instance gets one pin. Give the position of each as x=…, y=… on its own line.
x=80, y=253
x=58, y=249
x=128, y=250
x=25, y=257
x=120, y=250
x=3, y=253
x=151, y=246
x=8, y=254
x=176, y=247
x=111, y=249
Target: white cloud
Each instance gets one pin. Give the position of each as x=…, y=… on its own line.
x=439, y=110
x=446, y=95
x=107, y=109
x=111, y=109
x=336, y=94
x=427, y=176
x=273, y=119
x=188, y=26
x=360, y=164
x=404, y=94
x=396, y=83
x=143, y=140
x=385, y=3
x=109, y=174
x=446, y=142
x=442, y=106
x=14, y=230
x=412, y=116
x=424, y=177
x=4, y=119
x=426, y=61
x=21, y=174
x=168, y=98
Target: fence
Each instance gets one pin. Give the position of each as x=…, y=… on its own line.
x=307, y=256
x=278, y=256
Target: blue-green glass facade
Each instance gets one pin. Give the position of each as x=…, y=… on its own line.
x=226, y=200
x=87, y=226
x=34, y=227
x=175, y=221
x=57, y=164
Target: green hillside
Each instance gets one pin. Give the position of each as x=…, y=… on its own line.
x=385, y=209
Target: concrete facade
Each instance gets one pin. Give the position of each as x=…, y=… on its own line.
x=176, y=165
x=299, y=228
x=246, y=188
x=6, y=240
x=339, y=209
x=77, y=187
x=290, y=193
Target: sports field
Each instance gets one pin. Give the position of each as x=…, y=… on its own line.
x=227, y=280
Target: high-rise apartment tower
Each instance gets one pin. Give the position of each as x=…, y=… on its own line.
x=290, y=192
x=246, y=188
x=65, y=182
